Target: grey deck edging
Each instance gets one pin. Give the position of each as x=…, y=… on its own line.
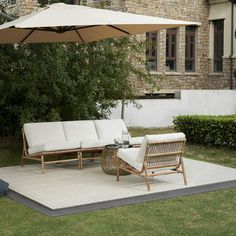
x=119, y=202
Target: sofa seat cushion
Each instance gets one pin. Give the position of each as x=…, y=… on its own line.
x=77, y=131
x=129, y=155
x=43, y=132
x=53, y=146
x=110, y=129
x=96, y=143
x=136, y=140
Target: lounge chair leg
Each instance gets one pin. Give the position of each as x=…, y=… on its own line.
x=183, y=171
x=146, y=179
x=42, y=164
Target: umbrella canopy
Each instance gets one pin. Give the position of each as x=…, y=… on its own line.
x=74, y=23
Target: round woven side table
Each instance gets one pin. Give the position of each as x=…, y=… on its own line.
x=109, y=160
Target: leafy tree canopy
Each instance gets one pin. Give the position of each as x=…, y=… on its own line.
x=50, y=82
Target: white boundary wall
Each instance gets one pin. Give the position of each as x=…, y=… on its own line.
x=160, y=112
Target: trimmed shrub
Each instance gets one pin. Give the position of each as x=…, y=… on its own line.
x=208, y=130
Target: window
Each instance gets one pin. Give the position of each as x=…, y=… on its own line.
x=171, y=43
x=190, y=33
x=151, y=52
x=218, y=45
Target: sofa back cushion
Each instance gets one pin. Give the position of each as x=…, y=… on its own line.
x=44, y=132
x=77, y=131
x=110, y=129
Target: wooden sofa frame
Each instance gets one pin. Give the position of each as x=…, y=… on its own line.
x=158, y=155
x=41, y=156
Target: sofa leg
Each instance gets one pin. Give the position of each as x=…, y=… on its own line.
x=42, y=164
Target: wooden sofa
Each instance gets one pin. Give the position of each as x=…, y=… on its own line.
x=46, y=139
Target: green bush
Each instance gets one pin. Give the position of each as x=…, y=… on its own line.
x=208, y=130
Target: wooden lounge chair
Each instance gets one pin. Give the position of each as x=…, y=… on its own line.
x=158, y=155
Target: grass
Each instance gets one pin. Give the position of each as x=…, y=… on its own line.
x=212, y=213
x=205, y=214
x=10, y=151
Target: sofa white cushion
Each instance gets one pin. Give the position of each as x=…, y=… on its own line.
x=90, y=143
x=136, y=140
x=44, y=132
x=104, y=142
x=110, y=129
x=76, y=131
x=95, y=143
x=53, y=146
x=129, y=155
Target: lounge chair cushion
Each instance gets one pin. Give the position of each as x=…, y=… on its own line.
x=77, y=131
x=142, y=151
x=54, y=146
x=129, y=155
x=136, y=140
x=166, y=137
x=43, y=133
x=110, y=129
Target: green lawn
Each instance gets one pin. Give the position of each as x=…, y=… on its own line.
x=212, y=213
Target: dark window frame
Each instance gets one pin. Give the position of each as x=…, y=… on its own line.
x=190, y=48
x=171, y=49
x=151, y=51
x=218, y=50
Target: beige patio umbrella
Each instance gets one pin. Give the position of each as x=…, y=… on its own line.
x=74, y=23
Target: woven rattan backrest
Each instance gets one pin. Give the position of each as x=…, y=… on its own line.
x=164, y=153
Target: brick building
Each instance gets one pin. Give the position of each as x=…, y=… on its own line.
x=193, y=57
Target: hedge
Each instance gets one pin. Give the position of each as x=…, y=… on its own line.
x=208, y=130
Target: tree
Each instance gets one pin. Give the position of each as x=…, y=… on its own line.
x=50, y=82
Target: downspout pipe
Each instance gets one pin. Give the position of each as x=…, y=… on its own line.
x=232, y=43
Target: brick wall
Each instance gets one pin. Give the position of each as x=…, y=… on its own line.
x=26, y=6
x=21, y=7
x=181, y=10
x=191, y=10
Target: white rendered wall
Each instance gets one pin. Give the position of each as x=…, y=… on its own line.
x=160, y=112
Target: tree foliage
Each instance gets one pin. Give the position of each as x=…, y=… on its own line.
x=51, y=82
